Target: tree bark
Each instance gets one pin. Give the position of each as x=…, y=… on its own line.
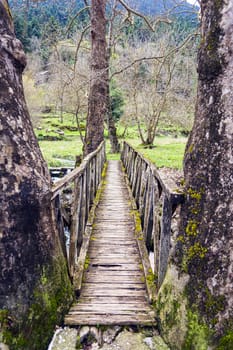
x=30, y=253
x=200, y=274
x=97, y=101
x=112, y=131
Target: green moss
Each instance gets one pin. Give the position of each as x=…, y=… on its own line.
x=190, y=149
x=194, y=251
x=171, y=317
x=138, y=226
x=79, y=345
x=192, y=228
x=181, y=239
x=226, y=342
x=182, y=182
x=51, y=300
x=197, y=250
x=150, y=278
x=87, y=262
x=197, y=335
x=195, y=194
x=213, y=305
x=3, y=318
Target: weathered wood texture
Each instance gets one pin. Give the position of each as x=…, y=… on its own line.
x=84, y=181
x=153, y=196
x=113, y=290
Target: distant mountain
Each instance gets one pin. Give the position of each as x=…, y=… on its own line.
x=147, y=7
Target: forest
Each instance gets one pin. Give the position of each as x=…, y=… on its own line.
x=56, y=80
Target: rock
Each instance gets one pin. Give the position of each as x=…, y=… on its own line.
x=97, y=334
x=155, y=343
x=110, y=334
x=83, y=333
x=127, y=341
x=159, y=343
x=63, y=339
x=149, y=342
x=4, y=347
x=94, y=346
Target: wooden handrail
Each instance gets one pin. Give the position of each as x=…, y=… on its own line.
x=156, y=200
x=67, y=179
x=84, y=181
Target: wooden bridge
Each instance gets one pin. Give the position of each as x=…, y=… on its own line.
x=115, y=220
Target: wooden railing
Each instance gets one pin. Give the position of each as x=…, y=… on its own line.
x=156, y=202
x=83, y=183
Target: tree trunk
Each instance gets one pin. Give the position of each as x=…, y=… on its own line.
x=34, y=280
x=97, y=101
x=112, y=131
x=197, y=292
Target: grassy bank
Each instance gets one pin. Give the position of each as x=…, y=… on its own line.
x=168, y=147
x=168, y=151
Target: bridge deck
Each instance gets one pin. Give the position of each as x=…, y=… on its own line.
x=113, y=290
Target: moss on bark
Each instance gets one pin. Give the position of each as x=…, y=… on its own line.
x=50, y=301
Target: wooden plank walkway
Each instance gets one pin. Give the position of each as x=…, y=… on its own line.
x=113, y=290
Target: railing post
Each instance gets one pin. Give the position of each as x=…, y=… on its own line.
x=76, y=227
x=165, y=238
x=60, y=224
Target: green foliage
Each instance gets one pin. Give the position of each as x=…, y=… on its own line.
x=226, y=342
x=21, y=30
x=197, y=333
x=117, y=101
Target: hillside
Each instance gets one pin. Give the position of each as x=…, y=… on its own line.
x=153, y=7
x=40, y=19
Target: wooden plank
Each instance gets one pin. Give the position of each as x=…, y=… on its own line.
x=125, y=299
x=115, y=280
x=113, y=289
x=105, y=267
x=108, y=286
x=120, y=320
x=109, y=312
x=112, y=308
x=114, y=274
x=112, y=292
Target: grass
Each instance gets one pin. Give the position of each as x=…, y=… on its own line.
x=168, y=150
x=61, y=153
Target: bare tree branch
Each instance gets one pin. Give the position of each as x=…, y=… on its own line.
x=75, y=16
x=130, y=10
x=141, y=59
x=135, y=62
x=79, y=44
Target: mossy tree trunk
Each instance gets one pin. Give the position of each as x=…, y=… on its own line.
x=196, y=299
x=34, y=281
x=97, y=100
